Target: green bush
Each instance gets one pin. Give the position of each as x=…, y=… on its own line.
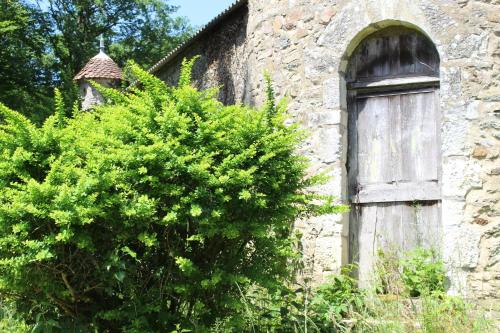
x=422, y=272
x=281, y=310
x=336, y=299
x=150, y=213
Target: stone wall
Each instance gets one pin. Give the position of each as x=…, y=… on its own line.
x=89, y=94
x=305, y=45
x=222, y=62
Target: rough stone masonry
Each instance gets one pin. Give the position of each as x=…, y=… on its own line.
x=305, y=46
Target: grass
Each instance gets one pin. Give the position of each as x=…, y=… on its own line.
x=429, y=314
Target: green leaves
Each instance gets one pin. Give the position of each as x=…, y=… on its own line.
x=195, y=210
x=185, y=265
x=59, y=108
x=186, y=70
x=423, y=272
x=8, y=26
x=44, y=46
x=25, y=62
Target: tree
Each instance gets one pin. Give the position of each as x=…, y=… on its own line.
x=154, y=34
x=25, y=65
x=156, y=209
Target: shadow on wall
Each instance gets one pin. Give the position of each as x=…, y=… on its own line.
x=230, y=62
x=222, y=62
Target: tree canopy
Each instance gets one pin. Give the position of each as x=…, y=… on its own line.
x=26, y=68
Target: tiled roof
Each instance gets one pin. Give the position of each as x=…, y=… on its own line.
x=100, y=66
x=214, y=22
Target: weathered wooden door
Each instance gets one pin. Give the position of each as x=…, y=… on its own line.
x=394, y=146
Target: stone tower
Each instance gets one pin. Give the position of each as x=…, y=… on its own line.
x=101, y=69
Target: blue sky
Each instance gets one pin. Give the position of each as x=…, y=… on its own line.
x=200, y=12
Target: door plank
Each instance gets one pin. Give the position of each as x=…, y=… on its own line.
x=352, y=151
x=373, y=135
x=420, y=152
x=397, y=191
x=394, y=142
x=367, y=242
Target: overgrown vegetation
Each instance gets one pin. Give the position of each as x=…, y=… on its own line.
x=340, y=306
x=155, y=212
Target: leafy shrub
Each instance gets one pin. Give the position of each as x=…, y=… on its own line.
x=263, y=310
x=423, y=272
x=336, y=299
x=388, y=272
x=150, y=213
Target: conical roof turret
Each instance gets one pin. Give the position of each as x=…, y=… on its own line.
x=101, y=66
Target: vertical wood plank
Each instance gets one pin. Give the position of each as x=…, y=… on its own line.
x=420, y=145
x=395, y=139
x=366, y=243
x=409, y=137
x=393, y=56
x=373, y=139
x=352, y=151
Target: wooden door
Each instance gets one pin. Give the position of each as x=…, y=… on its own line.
x=394, y=152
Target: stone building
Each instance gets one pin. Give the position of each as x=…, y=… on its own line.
x=402, y=102
x=101, y=69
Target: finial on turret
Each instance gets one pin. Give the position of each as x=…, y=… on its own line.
x=101, y=43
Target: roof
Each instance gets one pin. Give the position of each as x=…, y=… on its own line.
x=100, y=66
x=202, y=31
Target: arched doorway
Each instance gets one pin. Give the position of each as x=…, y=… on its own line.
x=394, y=160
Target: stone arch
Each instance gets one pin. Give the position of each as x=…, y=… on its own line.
x=373, y=28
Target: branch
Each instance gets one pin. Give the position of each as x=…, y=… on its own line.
x=66, y=283
x=63, y=305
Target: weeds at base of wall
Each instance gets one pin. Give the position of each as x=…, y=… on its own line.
x=429, y=313
x=373, y=313
x=390, y=307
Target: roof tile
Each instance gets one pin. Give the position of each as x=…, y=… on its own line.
x=100, y=66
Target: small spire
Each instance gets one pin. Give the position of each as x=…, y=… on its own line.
x=101, y=43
